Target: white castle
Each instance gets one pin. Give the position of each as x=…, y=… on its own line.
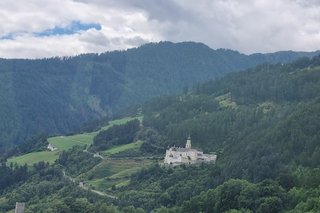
x=177, y=156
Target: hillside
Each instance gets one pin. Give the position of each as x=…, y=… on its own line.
x=62, y=143
x=264, y=126
x=270, y=107
x=58, y=95
x=262, y=123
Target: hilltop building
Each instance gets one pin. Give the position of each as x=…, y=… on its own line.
x=51, y=147
x=178, y=156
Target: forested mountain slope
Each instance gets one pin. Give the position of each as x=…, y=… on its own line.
x=270, y=105
x=264, y=125
x=58, y=95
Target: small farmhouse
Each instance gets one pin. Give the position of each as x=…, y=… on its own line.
x=51, y=147
x=177, y=156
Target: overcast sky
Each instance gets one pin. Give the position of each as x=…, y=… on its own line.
x=45, y=28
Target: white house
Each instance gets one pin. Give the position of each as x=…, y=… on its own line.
x=51, y=147
x=177, y=156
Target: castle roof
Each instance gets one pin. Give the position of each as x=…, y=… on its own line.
x=179, y=149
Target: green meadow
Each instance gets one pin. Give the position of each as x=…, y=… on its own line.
x=122, y=148
x=35, y=157
x=67, y=142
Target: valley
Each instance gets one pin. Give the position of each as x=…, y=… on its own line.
x=262, y=123
x=160, y=106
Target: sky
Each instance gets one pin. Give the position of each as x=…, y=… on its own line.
x=48, y=28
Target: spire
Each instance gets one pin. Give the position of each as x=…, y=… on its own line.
x=188, y=144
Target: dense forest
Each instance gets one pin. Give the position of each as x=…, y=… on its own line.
x=116, y=135
x=60, y=95
x=263, y=123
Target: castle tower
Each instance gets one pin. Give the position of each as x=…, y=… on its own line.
x=188, y=144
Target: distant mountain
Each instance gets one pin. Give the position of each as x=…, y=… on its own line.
x=57, y=95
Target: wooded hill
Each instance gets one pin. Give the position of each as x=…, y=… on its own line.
x=263, y=123
x=270, y=108
x=58, y=95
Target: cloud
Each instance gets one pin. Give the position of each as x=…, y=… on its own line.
x=249, y=26
x=37, y=28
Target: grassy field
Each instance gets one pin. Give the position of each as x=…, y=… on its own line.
x=122, y=148
x=120, y=121
x=35, y=157
x=65, y=143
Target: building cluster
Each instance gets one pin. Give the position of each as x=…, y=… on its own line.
x=178, y=156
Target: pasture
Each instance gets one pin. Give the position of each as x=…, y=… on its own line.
x=66, y=142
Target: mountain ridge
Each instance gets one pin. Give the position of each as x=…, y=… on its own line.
x=58, y=95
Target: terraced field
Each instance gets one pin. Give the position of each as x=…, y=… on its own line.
x=114, y=173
